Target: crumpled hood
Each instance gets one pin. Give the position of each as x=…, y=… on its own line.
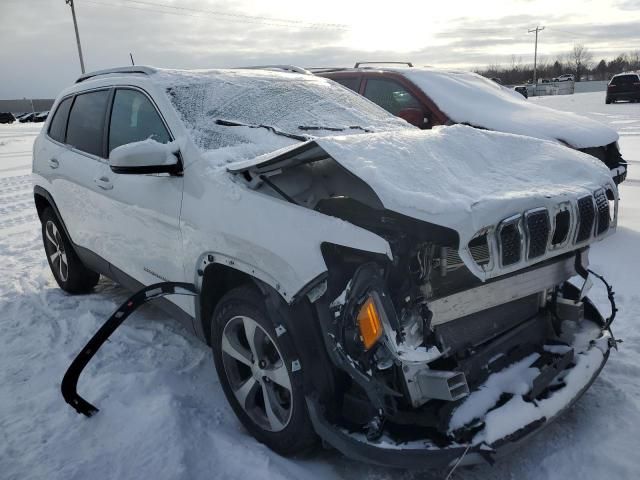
x=469, y=98
x=460, y=177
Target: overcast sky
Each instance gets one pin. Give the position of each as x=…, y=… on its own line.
x=38, y=55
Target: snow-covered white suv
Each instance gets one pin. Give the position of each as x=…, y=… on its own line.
x=402, y=294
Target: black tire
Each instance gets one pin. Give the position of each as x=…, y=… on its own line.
x=297, y=435
x=607, y=101
x=73, y=277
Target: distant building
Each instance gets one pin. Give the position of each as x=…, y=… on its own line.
x=25, y=105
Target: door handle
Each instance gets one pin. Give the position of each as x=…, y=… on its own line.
x=104, y=183
x=53, y=163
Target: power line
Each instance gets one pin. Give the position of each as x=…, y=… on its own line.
x=232, y=17
x=239, y=15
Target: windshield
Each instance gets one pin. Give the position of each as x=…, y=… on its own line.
x=226, y=108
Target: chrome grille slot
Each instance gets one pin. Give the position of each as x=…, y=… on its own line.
x=538, y=228
x=479, y=249
x=562, y=226
x=603, y=215
x=586, y=218
x=510, y=241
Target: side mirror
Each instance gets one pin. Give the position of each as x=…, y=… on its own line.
x=415, y=116
x=147, y=156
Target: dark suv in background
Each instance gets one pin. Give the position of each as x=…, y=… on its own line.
x=624, y=86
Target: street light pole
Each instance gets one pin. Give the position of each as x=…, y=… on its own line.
x=75, y=25
x=535, y=56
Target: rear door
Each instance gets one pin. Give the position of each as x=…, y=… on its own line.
x=143, y=238
x=74, y=166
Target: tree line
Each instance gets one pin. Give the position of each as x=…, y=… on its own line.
x=579, y=61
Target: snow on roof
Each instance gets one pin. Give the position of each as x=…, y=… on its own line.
x=470, y=98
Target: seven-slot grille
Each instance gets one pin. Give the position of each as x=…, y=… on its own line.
x=538, y=229
x=586, y=217
x=592, y=217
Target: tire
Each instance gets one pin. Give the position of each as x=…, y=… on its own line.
x=288, y=430
x=607, y=101
x=72, y=277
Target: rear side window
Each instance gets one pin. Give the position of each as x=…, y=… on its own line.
x=352, y=83
x=624, y=80
x=86, y=122
x=133, y=119
x=58, y=127
x=390, y=95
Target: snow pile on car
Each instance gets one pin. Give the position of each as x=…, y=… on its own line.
x=470, y=98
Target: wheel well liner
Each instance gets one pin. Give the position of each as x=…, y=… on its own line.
x=217, y=279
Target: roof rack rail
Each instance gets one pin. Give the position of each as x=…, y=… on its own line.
x=287, y=68
x=130, y=69
x=409, y=64
x=326, y=69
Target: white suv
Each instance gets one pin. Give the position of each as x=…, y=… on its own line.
x=358, y=279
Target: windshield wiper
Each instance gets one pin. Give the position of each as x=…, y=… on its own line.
x=333, y=129
x=229, y=123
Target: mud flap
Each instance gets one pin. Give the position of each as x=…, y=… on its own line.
x=70, y=380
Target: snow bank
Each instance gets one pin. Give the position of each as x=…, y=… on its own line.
x=467, y=97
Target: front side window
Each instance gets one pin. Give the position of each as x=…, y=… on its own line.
x=86, y=121
x=133, y=119
x=390, y=95
x=58, y=127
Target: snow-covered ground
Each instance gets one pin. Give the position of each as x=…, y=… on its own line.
x=163, y=414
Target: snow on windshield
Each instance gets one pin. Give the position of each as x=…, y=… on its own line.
x=253, y=98
x=469, y=98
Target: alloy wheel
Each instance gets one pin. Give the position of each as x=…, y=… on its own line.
x=56, y=251
x=257, y=373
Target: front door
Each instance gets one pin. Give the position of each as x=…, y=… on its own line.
x=143, y=236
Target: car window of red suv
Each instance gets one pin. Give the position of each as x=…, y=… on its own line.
x=390, y=95
x=352, y=83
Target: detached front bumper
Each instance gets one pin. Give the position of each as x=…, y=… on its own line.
x=497, y=426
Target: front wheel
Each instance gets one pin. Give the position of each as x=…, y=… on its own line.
x=255, y=367
x=70, y=273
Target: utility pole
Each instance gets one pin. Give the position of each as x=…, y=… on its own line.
x=535, y=58
x=75, y=25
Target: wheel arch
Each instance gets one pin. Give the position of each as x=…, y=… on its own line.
x=43, y=200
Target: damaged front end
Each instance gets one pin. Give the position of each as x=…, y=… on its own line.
x=427, y=393
x=454, y=348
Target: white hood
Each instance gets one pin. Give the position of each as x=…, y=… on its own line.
x=469, y=98
x=459, y=177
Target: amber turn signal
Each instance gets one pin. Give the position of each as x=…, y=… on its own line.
x=369, y=323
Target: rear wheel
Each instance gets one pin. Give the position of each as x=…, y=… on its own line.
x=607, y=100
x=254, y=365
x=70, y=273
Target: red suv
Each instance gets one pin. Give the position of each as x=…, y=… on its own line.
x=426, y=97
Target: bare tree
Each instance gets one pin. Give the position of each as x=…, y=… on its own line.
x=581, y=60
